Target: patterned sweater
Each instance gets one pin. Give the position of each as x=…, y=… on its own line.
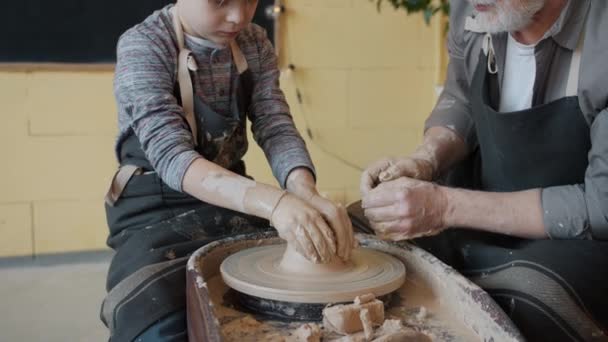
x=144, y=82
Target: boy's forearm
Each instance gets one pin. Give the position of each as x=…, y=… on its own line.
x=213, y=184
x=301, y=182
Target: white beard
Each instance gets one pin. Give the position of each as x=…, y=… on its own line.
x=508, y=15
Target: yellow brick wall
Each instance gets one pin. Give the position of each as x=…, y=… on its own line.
x=56, y=135
x=367, y=82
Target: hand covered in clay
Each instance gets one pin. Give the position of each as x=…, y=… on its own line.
x=304, y=227
x=388, y=169
x=337, y=217
x=405, y=208
x=301, y=183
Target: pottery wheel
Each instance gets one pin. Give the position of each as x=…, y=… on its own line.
x=259, y=272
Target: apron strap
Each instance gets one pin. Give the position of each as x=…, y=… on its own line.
x=186, y=91
x=185, y=63
x=239, y=59
x=575, y=66
x=119, y=182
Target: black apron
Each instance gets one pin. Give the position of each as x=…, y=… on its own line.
x=553, y=290
x=154, y=229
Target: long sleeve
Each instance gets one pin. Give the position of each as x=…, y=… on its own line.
x=143, y=87
x=581, y=210
x=272, y=125
x=452, y=109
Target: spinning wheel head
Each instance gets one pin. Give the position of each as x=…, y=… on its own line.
x=278, y=273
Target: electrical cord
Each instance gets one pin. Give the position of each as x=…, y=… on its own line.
x=275, y=12
x=309, y=128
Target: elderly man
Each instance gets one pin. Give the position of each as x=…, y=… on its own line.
x=523, y=125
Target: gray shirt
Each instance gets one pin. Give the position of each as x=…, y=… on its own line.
x=570, y=211
x=144, y=83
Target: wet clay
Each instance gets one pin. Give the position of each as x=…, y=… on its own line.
x=301, y=183
x=279, y=273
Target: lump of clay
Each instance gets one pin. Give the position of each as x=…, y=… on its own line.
x=364, y=314
x=308, y=332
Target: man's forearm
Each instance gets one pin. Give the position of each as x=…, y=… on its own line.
x=514, y=213
x=442, y=147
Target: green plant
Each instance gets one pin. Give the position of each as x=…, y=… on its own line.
x=427, y=7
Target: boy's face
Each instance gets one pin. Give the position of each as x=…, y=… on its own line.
x=216, y=20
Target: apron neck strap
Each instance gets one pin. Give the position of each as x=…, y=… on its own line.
x=186, y=62
x=239, y=59
x=575, y=65
x=179, y=32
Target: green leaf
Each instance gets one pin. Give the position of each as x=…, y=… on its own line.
x=428, y=14
x=427, y=7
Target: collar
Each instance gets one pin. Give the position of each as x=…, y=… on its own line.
x=204, y=43
x=566, y=31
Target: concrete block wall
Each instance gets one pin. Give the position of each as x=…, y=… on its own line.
x=367, y=83
x=56, y=136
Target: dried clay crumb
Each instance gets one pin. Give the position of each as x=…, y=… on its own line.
x=391, y=326
x=200, y=282
x=406, y=335
x=358, y=337
x=244, y=323
x=349, y=318
x=308, y=332
x=241, y=328
x=422, y=314
x=392, y=330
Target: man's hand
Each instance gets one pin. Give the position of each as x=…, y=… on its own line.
x=388, y=169
x=406, y=208
x=440, y=149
